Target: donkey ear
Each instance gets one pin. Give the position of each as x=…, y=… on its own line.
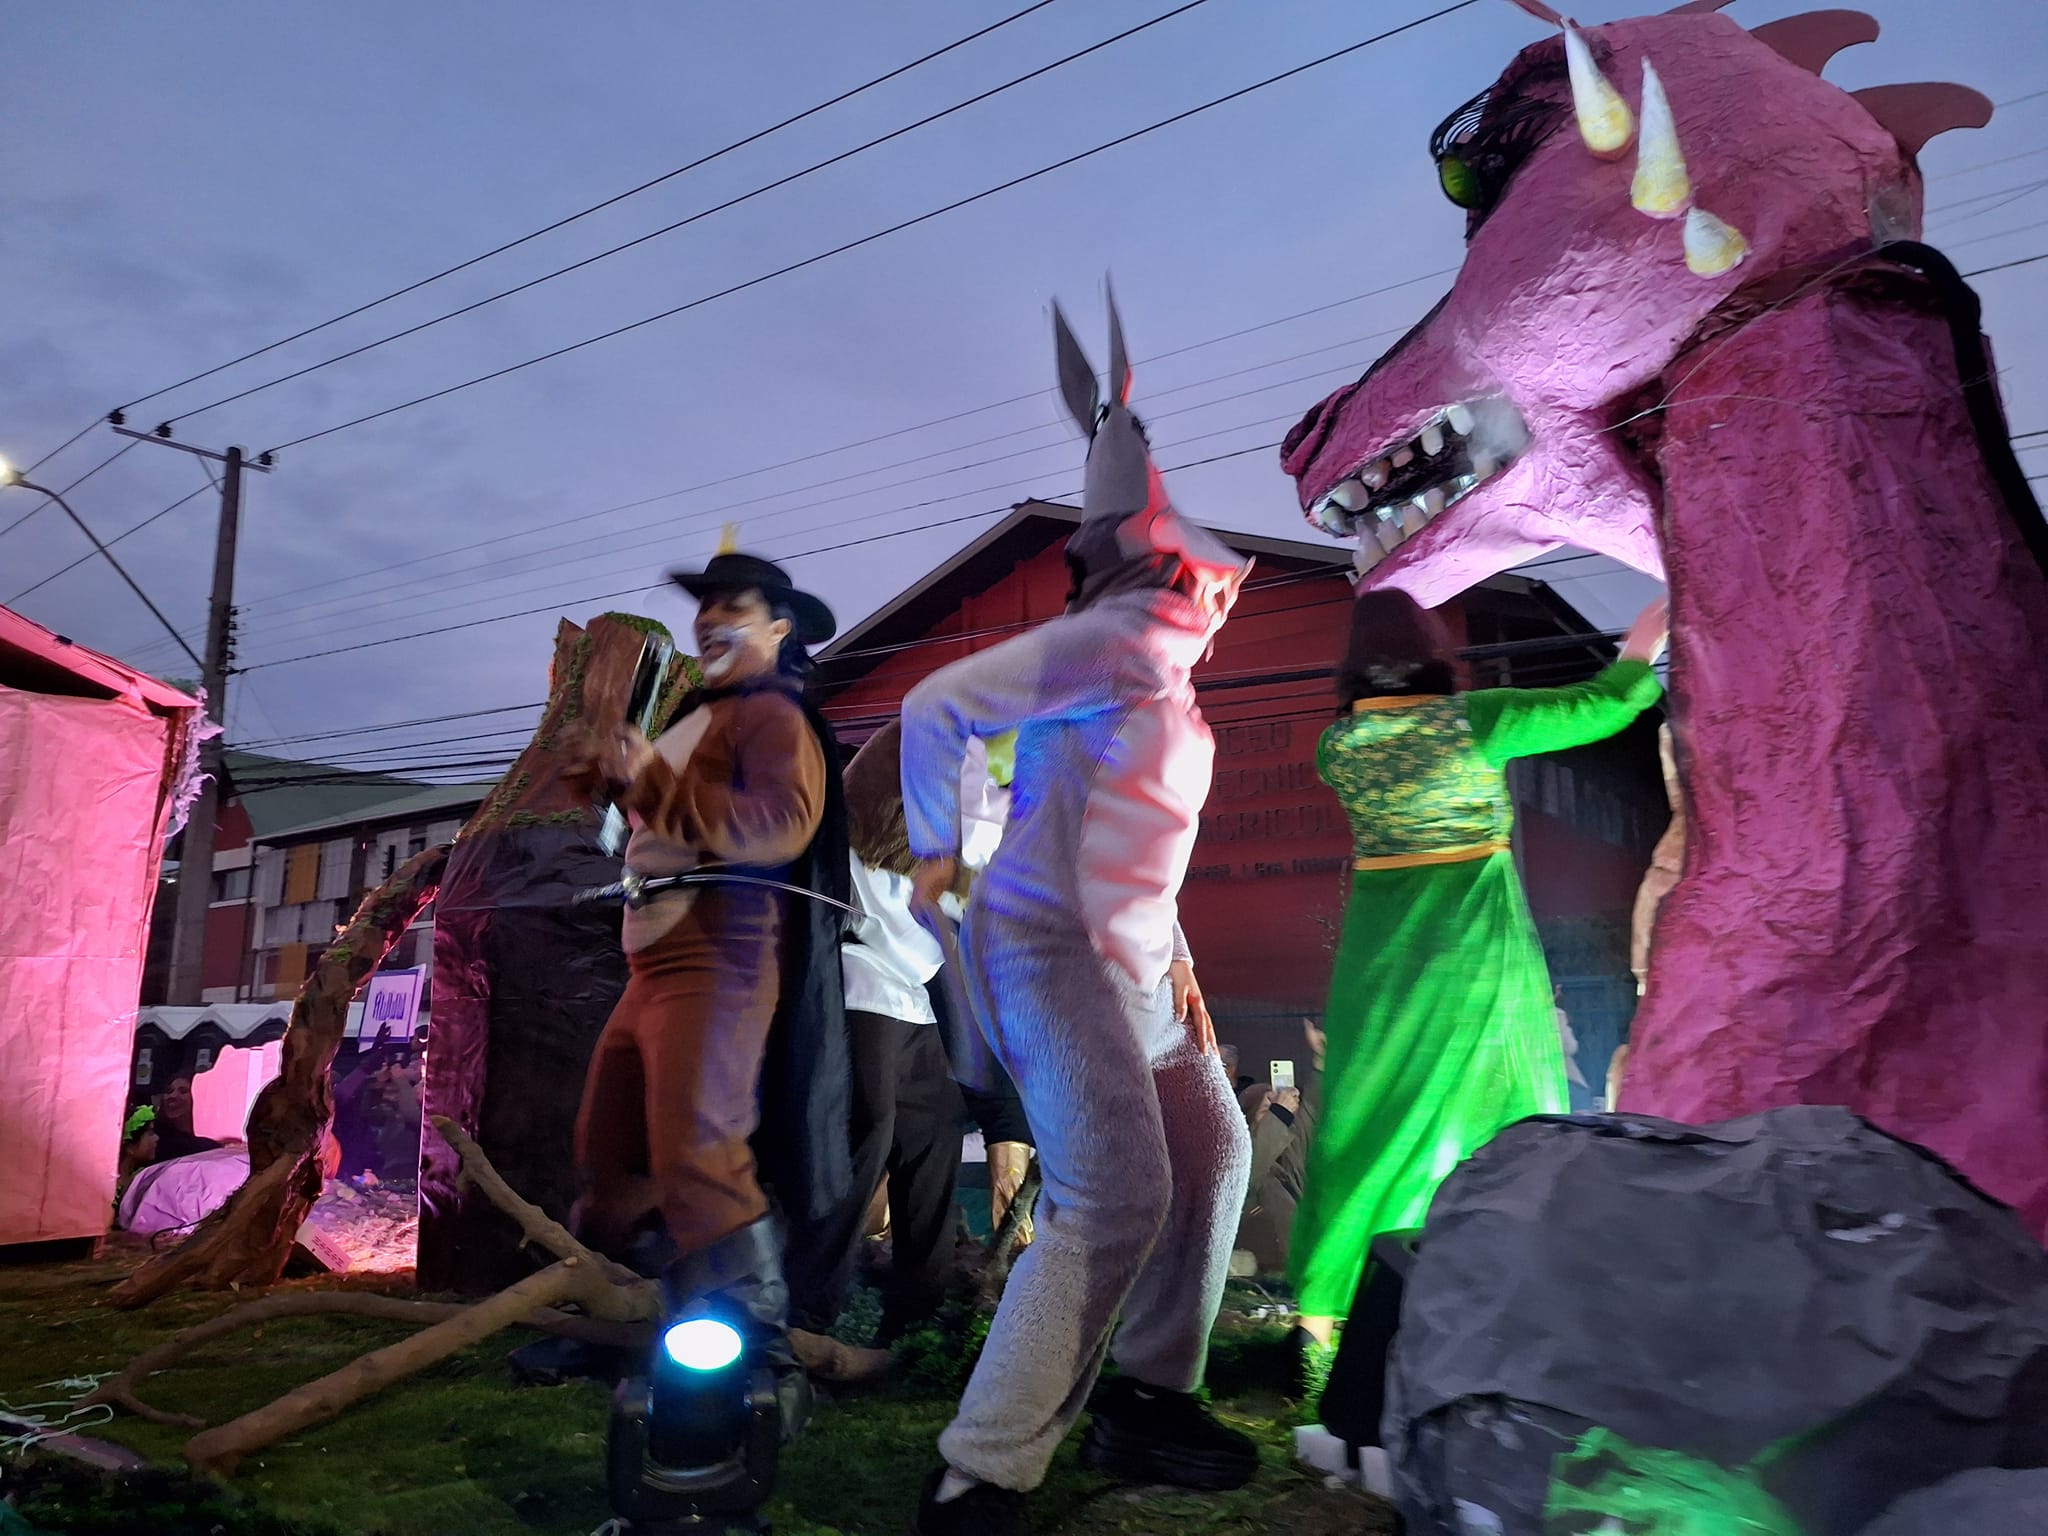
x=1078, y=386
x=1119, y=359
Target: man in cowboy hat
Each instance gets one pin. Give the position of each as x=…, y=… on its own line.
x=1085, y=989
x=730, y=1039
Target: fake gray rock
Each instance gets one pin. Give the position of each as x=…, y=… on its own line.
x=1989, y=1503
x=1795, y=1282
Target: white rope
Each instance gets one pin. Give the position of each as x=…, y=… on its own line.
x=73, y=1418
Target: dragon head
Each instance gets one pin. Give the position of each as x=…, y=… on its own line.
x=1618, y=184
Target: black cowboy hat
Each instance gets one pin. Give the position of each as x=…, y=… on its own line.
x=750, y=573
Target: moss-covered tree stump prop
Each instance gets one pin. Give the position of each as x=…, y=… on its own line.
x=524, y=979
x=248, y=1241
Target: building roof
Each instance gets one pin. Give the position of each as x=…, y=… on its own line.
x=38, y=660
x=282, y=793
x=1034, y=526
x=1030, y=528
x=426, y=801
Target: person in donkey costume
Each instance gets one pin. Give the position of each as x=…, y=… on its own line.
x=1082, y=983
x=731, y=1035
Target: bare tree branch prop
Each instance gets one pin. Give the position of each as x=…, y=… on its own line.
x=121, y=1390
x=248, y=1240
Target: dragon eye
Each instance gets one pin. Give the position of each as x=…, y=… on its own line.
x=1460, y=182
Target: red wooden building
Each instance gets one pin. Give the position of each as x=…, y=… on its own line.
x=1266, y=887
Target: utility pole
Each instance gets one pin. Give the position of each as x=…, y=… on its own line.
x=195, y=859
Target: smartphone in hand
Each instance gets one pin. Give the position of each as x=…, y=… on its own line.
x=1282, y=1075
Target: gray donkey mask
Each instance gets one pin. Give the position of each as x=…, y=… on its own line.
x=1130, y=536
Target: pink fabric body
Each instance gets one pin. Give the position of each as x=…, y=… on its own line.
x=81, y=785
x=1863, y=913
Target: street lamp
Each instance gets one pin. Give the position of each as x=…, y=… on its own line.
x=9, y=475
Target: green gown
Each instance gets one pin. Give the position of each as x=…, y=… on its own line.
x=1440, y=1026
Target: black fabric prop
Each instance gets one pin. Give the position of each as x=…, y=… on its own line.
x=524, y=980
x=1795, y=1283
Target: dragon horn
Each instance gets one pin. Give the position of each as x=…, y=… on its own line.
x=1661, y=188
x=1712, y=246
x=1605, y=122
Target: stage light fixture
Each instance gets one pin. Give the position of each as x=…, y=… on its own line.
x=694, y=1444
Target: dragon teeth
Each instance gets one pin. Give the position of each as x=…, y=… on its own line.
x=1403, y=457
x=1375, y=475
x=1432, y=440
x=1351, y=495
x=1461, y=419
x=1414, y=517
x=1433, y=501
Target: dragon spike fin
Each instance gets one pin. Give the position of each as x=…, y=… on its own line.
x=1661, y=188
x=1539, y=10
x=729, y=539
x=1119, y=359
x=1078, y=384
x=1605, y=122
x=1812, y=38
x=1712, y=246
x=1699, y=7
x=1915, y=113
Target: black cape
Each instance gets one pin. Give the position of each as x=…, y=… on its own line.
x=804, y=1144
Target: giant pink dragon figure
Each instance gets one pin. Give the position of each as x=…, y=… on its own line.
x=1693, y=331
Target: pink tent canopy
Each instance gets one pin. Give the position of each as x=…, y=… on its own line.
x=92, y=756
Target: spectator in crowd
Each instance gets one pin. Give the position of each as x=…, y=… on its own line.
x=174, y=1135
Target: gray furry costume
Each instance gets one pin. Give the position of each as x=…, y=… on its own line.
x=1068, y=942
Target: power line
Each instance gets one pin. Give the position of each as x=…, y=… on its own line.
x=546, y=229
x=666, y=229
x=880, y=234
x=986, y=632
x=2006, y=266
x=668, y=529
x=74, y=437
x=117, y=538
x=299, y=618
x=603, y=597
x=388, y=725
x=555, y=524
x=937, y=501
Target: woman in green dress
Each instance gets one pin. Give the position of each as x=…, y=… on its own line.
x=1440, y=1022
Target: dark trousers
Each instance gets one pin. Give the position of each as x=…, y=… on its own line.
x=906, y=1125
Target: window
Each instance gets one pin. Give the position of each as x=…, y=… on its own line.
x=203, y=1060
x=145, y=1064
x=302, y=873
x=269, y=887
x=336, y=857
x=390, y=861
x=416, y=844
x=231, y=884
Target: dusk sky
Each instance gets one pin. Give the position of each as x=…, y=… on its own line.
x=188, y=182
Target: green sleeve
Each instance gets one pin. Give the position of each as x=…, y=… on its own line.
x=1516, y=722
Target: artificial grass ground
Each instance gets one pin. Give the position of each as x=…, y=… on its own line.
x=458, y=1449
